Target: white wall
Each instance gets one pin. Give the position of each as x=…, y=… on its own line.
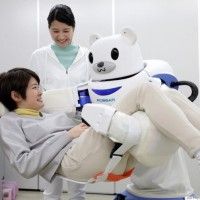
x=18, y=32
x=91, y=16
x=166, y=30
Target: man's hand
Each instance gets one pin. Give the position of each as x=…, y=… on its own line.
x=77, y=130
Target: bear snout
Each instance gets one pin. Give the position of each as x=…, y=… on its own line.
x=100, y=64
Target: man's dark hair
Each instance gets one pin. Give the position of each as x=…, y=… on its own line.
x=61, y=13
x=17, y=80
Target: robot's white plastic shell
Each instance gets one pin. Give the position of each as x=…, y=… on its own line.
x=125, y=42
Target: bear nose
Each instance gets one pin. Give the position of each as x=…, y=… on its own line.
x=100, y=64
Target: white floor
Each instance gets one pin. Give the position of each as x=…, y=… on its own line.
x=33, y=195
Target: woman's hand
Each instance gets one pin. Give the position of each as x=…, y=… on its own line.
x=77, y=130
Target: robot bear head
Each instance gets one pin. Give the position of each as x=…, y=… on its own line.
x=115, y=56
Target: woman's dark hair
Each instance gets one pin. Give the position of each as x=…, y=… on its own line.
x=61, y=13
x=16, y=79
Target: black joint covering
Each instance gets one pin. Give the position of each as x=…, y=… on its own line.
x=85, y=122
x=114, y=154
x=116, y=146
x=193, y=87
x=120, y=197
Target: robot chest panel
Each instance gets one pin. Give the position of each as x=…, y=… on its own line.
x=105, y=92
x=108, y=92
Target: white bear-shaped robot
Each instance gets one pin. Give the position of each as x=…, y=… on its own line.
x=117, y=71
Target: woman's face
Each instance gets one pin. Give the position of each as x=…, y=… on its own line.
x=61, y=33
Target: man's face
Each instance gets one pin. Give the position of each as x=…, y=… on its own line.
x=33, y=96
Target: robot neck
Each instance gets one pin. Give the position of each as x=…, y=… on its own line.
x=120, y=78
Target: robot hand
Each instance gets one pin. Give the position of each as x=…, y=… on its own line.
x=116, y=125
x=98, y=116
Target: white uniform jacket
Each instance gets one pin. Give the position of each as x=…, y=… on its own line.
x=52, y=73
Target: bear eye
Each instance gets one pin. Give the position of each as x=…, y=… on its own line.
x=114, y=53
x=90, y=56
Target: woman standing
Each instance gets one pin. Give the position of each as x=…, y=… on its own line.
x=60, y=65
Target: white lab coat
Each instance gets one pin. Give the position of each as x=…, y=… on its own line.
x=52, y=73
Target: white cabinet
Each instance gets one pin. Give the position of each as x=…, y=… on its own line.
x=105, y=188
x=2, y=164
x=121, y=185
x=11, y=174
x=1, y=190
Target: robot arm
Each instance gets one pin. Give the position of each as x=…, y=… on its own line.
x=69, y=100
x=59, y=100
x=116, y=125
x=81, y=93
x=161, y=70
x=123, y=129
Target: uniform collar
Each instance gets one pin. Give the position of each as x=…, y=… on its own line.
x=81, y=52
x=30, y=112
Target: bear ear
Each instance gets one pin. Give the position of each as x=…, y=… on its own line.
x=128, y=32
x=93, y=38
